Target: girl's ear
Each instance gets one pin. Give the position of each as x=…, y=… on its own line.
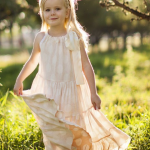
x=67, y=13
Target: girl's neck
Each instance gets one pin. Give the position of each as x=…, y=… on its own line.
x=57, y=32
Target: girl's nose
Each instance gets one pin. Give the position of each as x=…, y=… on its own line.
x=52, y=12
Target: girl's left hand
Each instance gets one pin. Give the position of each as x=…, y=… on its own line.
x=96, y=101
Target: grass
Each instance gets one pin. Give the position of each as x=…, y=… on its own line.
x=122, y=80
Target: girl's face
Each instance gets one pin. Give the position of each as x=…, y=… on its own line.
x=55, y=12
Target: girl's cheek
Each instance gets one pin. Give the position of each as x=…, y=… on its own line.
x=46, y=14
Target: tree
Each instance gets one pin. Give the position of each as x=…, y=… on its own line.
x=139, y=13
x=98, y=21
x=10, y=10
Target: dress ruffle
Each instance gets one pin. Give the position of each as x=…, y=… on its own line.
x=70, y=133
x=64, y=93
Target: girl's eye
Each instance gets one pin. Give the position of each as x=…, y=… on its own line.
x=47, y=9
x=57, y=8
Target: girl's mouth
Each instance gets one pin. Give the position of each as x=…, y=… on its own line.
x=53, y=18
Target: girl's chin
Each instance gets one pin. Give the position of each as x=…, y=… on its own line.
x=53, y=23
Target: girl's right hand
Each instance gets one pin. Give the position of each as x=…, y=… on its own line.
x=18, y=87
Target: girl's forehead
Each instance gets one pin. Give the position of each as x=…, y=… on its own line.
x=53, y=3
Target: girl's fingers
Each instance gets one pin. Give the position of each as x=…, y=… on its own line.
x=98, y=106
x=16, y=93
x=19, y=92
x=94, y=105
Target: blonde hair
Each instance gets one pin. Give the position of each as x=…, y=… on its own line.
x=70, y=23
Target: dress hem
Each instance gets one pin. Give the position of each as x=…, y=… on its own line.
x=94, y=144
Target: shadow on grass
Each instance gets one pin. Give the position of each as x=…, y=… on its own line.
x=9, y=75
x=104, y=63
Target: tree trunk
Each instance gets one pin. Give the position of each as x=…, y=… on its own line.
x=11, y=34
x=21, y=40
x=124, y=40
x=0, y=39
x=141, y=38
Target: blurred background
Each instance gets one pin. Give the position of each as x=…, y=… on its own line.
x=119, y=51
x=20, y=21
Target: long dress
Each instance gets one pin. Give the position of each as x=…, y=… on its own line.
x=60, y=101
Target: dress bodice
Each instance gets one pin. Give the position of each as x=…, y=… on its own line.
x=55, y=59
x=60, y=58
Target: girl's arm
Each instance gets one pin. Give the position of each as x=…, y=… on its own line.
x=30, y=65
x=90, y=76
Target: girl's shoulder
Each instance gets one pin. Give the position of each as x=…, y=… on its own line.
x=40, y=35
x=36, y=43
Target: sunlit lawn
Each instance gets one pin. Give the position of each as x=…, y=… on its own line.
x=122, y=80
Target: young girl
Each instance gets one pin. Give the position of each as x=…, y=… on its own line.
x=63, y=96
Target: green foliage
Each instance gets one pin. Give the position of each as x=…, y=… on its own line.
x=33, y=3
x=8, y=8
x=140, y=132
x=18, y=127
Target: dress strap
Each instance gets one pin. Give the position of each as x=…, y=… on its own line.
x=72, y=43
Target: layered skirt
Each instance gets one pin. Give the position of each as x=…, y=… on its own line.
x=68, y=120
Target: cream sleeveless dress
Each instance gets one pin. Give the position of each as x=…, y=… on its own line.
x=59, y=99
